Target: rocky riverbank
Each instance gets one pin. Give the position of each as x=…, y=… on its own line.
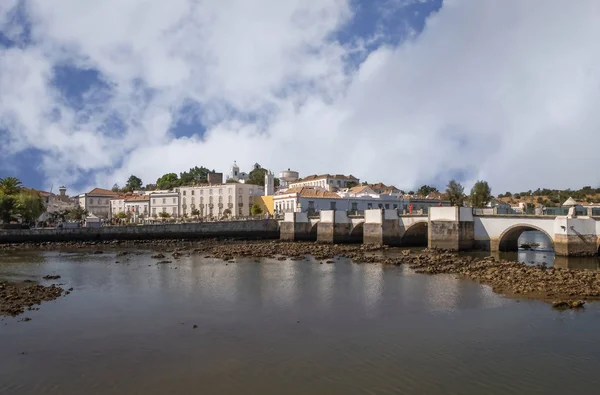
x=16, y=297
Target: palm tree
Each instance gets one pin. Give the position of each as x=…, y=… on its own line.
x=10, y=186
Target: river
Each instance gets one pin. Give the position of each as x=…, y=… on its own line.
x=284, y=327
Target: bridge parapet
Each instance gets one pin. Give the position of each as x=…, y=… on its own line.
x=451, y=228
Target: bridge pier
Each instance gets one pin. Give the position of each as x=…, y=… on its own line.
x=337, y=227
x=297, y=227
x=382, y=227
x=451, y=228
x=575, y=236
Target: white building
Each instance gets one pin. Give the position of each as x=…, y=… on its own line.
x=212, y=200
x=165, y=202
x=313, y=199
x=97, y=202
x=236, y=175
x=329, y=182
x=117, y=205
x=138, y=206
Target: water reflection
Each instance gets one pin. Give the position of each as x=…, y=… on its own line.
x=543, y=253
x=288, y=327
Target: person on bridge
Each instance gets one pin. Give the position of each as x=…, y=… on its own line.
x=410, y=208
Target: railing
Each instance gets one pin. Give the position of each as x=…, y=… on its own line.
x=356, y=213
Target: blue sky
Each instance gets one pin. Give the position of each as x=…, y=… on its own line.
x=401, y=91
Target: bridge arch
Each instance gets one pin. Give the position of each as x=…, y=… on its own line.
x=356, y=233
x=509, y=239
x=416, y=235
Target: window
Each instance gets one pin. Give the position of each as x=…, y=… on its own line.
x=153, y=201
x=183, y=200
x=311, y=204
x=153, y=210
x=164, y=201
x=229, y=199
x=164, y=209
x=174, y=200
x=332, y=205
x=220, y=199
x=192, y=195
x=369, y=206
x=183, y=193
x=395, y=206
x=229, y=191
x=380, y=205
x=174, y=211
x=193, y=200
x=354, y=206
x=210, y=191
x=220, y=191
x=91, y=201
x=202, y=192
x=210, y=200
x=201, y=201
x=387, y=206
x=137, y=208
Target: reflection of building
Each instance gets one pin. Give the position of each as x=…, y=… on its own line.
x=211, y=201
x=97, y=202
x=329, y=182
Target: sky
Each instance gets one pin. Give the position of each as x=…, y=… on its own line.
x=406, y=92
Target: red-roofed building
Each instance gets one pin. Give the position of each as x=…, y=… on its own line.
x=97, y=201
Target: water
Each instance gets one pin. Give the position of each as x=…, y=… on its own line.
x=285, y=328
x=543, y=253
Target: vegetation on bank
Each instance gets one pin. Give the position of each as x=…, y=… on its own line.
x=17, y=202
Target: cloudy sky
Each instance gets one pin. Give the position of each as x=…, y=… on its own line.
x=405, y=92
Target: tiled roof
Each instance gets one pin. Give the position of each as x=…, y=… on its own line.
x=331, y=176
x=312, y=192
x=102, y=192
x=142, y=198
x=358, y=189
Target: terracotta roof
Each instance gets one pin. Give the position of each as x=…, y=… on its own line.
x=332, y=176
x=312, y=192
x=103, y=192
x=141, y=198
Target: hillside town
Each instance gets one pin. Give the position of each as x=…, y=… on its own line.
x=203, y=195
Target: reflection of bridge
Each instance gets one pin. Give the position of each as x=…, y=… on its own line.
x=451, y=228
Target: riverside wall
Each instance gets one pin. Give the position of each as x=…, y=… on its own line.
x=256, y=229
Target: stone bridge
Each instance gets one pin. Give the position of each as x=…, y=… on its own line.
x=451, y=228
x=374, y=227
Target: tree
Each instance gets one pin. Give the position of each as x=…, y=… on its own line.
x=256, y=209
x=351, y=184
x=276, y=182
x=8, y=208
x=196, y=175
x=164, y=215
x=426, y=190
x=121, y=215
x=481, y=194
x=77, y=213
x=411, y=192
x=116, y=188
x=455, y=193
x=231, y=181
x=134, y=183
x=168, y=181
x=196, y=213
x=227, y=212
x=257, y=176
x=10, y=186
x=30, y=205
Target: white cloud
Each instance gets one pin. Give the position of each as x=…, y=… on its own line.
x=504, y=91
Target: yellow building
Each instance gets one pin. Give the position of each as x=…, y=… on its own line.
x=266, y=203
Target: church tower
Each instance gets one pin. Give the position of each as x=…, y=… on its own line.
x=234, y=172
x=269, y=183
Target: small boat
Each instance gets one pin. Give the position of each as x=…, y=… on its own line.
x=529, y=246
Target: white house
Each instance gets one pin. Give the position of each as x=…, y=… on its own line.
x=117, y=205
x=165, y=202
x=211, y=201
x=139, y=206
x=315, y=199
x=97, y=202
x=329, y=182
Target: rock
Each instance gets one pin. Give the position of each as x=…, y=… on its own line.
x=49, y=277
x=561, y=304
x=97, y=252
x=158, y=256
x=195, y=326
x=163, y=262
x=576, y=304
